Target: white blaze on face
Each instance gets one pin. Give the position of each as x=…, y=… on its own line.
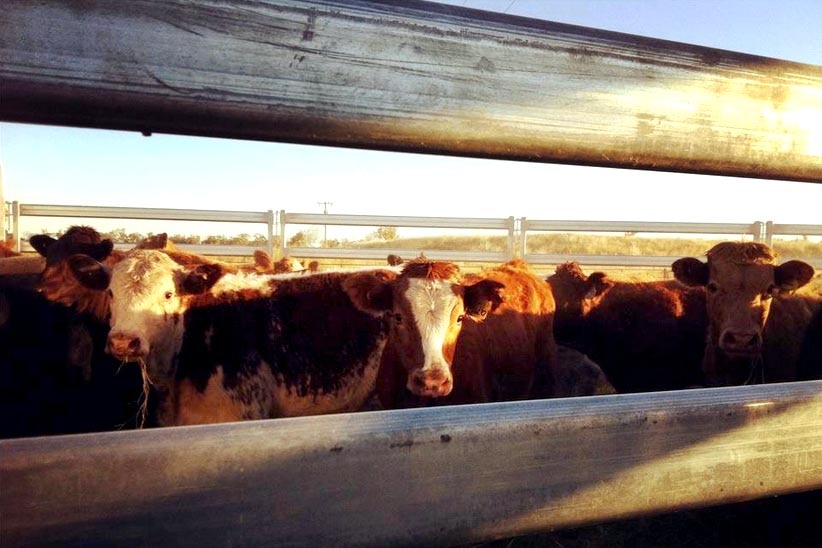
x=432, y=302
x=146, y=306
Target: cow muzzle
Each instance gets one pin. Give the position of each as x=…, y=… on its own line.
x=127, y=348
x=432, y=383
x=740, y=343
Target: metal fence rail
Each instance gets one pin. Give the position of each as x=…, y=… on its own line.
x=508, y=225
x=773, y=229
x=515, y=230
x=437, y=476
x=528, y=225
x=158, y=214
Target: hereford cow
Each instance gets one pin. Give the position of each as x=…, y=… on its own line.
x=461, y=338
x=645, y=336
x=755, y=325
x=226, y=346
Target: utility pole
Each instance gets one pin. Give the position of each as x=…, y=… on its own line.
x=325, y=227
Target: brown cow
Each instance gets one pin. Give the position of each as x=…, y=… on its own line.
x=463, y=339
x=7, y=250
x=226, y=346
x=755, y=325
x=57, y=282
x=646, y=336
x=57, y=377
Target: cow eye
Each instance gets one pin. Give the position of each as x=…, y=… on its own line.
x=168, y=295
x=460, y=318
x=712, y=287
x=398, y=319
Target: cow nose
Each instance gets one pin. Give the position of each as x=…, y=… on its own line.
x=740, y=342
x=433, y=383
x=124, y=347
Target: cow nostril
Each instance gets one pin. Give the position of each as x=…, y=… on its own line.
x=134, y=345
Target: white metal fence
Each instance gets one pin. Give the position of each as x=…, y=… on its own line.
x=515, y=230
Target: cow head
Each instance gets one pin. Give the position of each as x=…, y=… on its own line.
x=148, y=294
x=426, y=305
x=57, y=282
x=740, y=279
x=574, y=293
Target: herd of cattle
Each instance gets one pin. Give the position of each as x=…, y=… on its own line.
x=217, y=342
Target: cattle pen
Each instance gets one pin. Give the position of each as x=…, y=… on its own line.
x=507, y=88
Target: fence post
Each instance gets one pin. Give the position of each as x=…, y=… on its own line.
x=757, y=230
x=769, y=233
x=282, y=232
x=15, y=224
x=512, y=238
x=522, y=229
x=270, y=248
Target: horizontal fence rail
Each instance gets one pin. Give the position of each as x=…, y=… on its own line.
x=410, y=76
x=774, y=229
x=515, y=229
x=158, y=214
x=508, y=225
x=436, y=476
x=526, y=225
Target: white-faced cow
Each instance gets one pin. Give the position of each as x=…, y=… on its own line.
x=755, y=325
x=461, y=339
x=234, y=346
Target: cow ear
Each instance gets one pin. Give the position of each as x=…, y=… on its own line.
x=41, y=243
x=262, y=260
x=690, y=271
x=89, y=272
x=597, y=285
x=792, y=275
x=370, y=292
x=201, y=278
x=157, y=241
x=482, y=297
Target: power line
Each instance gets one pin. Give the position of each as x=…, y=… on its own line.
x=509, y=6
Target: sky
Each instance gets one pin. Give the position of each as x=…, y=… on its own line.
x=58, y=165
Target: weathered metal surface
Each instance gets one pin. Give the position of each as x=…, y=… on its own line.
x=409, y=76
x=414, y=477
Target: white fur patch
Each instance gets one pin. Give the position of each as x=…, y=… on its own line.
x=431, y=304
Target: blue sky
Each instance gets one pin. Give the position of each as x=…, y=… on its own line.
x=53, y=165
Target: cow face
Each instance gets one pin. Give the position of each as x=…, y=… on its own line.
x=427, y=306
x=57, y=282
x=148, y=294
x=740, y=279
x=575, y=294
